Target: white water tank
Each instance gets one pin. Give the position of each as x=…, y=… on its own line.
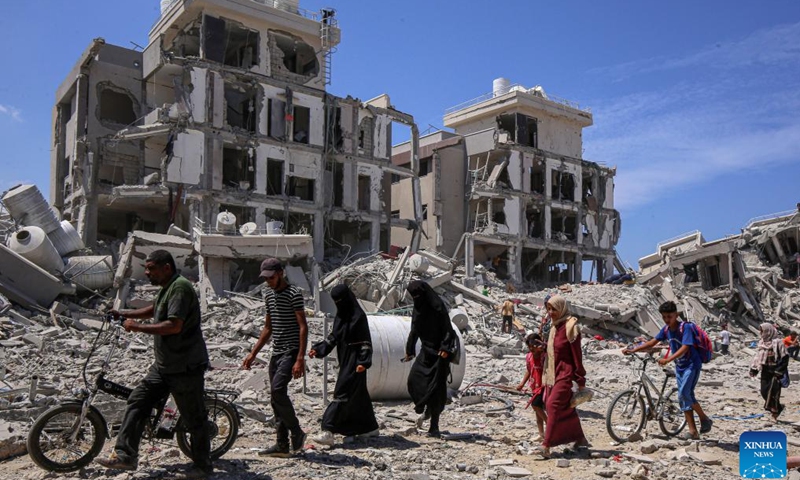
x=32, y=244
x=459, y=318
x=249, y=228
x=93, y=272
x=388, y=376
x=27, y=206
x=66, y=239
x=274, y=228
x=418, y=263
x=226, y=222
x=500, y=86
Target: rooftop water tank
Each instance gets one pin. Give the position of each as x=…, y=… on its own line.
x=27, y=206
x=32, y=244
x=500, y=86
x=226, y=222
x=388, y=376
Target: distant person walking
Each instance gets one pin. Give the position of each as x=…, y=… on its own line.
x=772, y=360
x=350, y=412
x=724, y=339
x=427, y=381
x=534, y=363
x=564, y=365
x=792, y=345
x=507, y=312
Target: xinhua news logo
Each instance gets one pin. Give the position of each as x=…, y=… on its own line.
x=762, y=455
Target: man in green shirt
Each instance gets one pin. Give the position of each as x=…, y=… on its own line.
x=181, y=360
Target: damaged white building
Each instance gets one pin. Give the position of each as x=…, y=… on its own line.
x=225, y=110
x=510, y=188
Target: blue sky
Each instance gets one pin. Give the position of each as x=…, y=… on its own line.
x=696, y=103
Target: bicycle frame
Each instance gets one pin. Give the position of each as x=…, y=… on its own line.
x=646, y=383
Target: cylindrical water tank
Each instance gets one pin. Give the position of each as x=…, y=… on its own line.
x=500, y=86
x=387, y=378
x=66, y=239
x=274, y=228
x=32, y=244
x=417, y=263
x=94, y=272
x=27, y=206
x=249, y=228
x=459, y=318
x=226, y=222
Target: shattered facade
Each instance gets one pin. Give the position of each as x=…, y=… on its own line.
x=511, y=188
x=225, y=110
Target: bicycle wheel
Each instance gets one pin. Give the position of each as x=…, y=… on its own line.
x=671, y=419
x=625, y=416
x=50, y=443
x=224, y=425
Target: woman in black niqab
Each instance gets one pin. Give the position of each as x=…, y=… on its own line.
x=427, y=381
x=350, y=412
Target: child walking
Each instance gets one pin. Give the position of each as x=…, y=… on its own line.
x=535, y=365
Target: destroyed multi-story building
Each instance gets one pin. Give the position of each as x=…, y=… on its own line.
x=225, y=110
x=510, y=188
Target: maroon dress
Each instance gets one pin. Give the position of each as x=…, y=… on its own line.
x=563, y=424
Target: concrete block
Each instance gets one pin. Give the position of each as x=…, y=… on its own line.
x=296, y=277
x=515, y=471
x=705, y=458
x=638, y=458
x=33, y=340
x=562, y=463
x=500, y=462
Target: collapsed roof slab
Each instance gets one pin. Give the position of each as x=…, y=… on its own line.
x=284, y=247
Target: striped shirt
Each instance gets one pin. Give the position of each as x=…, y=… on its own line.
x=281, y=308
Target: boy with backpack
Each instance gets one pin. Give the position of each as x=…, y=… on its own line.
x=689, y=350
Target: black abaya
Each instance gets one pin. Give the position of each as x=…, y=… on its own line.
x=430, y=323
x=350, y=412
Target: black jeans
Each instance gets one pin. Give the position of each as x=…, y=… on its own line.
x=280, y=374
x=793, y=351
x=188, y=391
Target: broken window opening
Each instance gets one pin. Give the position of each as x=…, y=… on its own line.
x=241, y=107
x=238, y=169
x=396, y=178
x=348, y=237
x=336, y=138
x=274, y=177
x=364, y=192
x=299, y=224
x=366, y=131
x=564, y=226
x=425, y=212
x=535, y=220
x=425, y=166
x=243, y=214
x=302, y=188
x=520, y=128
x=301, y=126
x=537, y=178
x=498, y=206
x=297, y=56
x=187, y=42
x=395, y=214
x=229, y=43
x=116, y=107
x=563, y=186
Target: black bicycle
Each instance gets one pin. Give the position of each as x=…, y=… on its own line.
x=68, y=436
x=630, y=410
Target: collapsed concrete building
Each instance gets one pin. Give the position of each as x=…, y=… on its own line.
x=510, y=188
x=750, y=277
x=225, y=110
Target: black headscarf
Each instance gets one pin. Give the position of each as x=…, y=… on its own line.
x=426, y=301
x=350, y=325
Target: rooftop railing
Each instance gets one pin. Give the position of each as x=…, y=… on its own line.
x=518, y=88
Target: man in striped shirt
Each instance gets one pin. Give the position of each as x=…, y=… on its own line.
x=286, y=324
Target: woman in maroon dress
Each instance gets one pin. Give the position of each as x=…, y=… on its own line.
x=564, y=366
